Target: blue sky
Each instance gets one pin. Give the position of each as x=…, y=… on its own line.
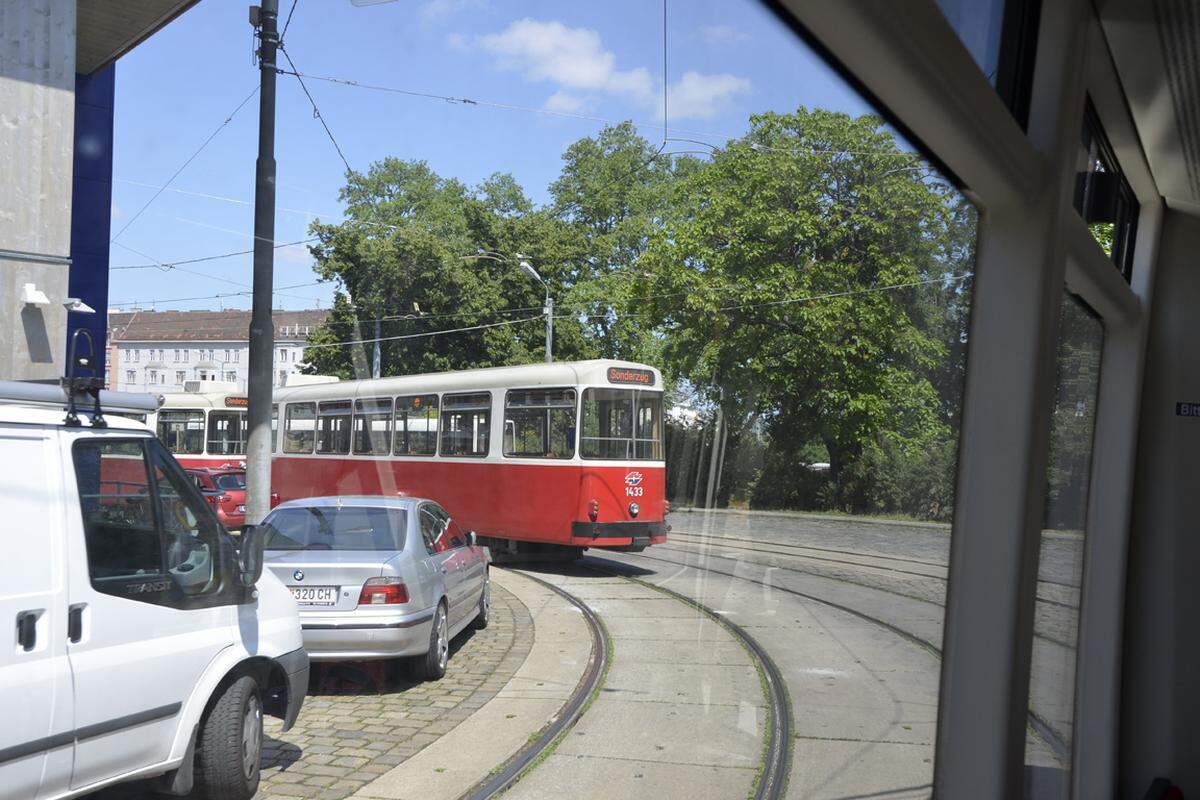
x=726, y=59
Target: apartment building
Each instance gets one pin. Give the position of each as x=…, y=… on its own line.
x=161, y=350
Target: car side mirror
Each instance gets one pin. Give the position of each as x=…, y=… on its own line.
x=250, y=559
x=471, y=535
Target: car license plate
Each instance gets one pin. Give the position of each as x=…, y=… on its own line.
x=314, y=595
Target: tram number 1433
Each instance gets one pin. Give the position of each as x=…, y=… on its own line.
x=633, y=484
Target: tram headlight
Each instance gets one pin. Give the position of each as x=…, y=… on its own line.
x=634, y=509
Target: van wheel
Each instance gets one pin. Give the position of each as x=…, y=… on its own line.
x=432, y=665
x=229, y=749
x=483, y=615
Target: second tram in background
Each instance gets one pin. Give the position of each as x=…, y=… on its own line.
x=538, y=458
x=204, y=428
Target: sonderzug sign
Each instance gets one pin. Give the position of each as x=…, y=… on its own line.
x=642, y=377
x=236, y=402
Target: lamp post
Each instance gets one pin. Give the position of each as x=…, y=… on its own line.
x=527, y=268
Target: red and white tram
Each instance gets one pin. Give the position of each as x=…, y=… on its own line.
x=561, y=455
x=203, y=429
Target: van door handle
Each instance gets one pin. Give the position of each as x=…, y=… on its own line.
x=27, y=630
x=75, y=623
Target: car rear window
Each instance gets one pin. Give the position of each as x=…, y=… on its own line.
x=230, y=481
x=333, y=528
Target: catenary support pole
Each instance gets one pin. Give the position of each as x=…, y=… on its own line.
x=262, y=329
x=549, y=326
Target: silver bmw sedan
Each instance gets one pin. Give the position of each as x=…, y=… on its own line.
x=379, y=577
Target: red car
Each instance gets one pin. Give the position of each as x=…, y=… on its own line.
x=225, y=490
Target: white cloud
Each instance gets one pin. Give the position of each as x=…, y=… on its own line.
x=435, y=10
x=576, y=63
x=573, y=58
x=563, y=101
x=703, y=96
x=722, y=34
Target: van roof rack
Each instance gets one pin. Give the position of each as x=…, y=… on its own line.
x=53, y=396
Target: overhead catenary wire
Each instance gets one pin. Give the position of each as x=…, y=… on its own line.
x=538, y=318
x=166, y=265
x=316, y=111
x=184, y=165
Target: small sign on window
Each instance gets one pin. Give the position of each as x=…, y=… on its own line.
x=1187, y=409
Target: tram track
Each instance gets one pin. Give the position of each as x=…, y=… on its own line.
x=771, y=780
x=772, y=549
x=544, y=741
x=1039, y=725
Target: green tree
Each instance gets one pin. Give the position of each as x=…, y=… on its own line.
x=402, y=256
x=777, y=278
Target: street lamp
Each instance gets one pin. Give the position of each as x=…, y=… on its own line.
x=527, y=268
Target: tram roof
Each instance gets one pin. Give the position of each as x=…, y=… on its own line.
x=561, y=373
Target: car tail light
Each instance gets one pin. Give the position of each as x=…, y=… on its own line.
x=593, y=510
x=383, y=591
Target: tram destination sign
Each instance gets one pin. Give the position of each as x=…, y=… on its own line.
x=1187, y=409
x=236, y=402
x=641, y=377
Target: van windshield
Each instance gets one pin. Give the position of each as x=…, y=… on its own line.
x=332, y=528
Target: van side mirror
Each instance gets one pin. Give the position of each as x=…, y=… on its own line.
x=250, y=559
x=471, y=535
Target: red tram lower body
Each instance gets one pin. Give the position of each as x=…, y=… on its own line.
x=572, y=505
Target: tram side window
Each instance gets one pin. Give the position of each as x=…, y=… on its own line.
x=621, y=423
x=372, y=426
x=274, y=426
x=466, y=424
x=227, y=433
x=416, y=425
x=333, y=427
x=182, y=431
x=299, y=431
x=539, y=423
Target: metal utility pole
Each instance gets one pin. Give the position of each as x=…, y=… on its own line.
x=549, y=325
x=262, y=329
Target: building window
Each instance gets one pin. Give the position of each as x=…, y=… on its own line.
x=282, y=355
x=1103, y=196
x=187, y=354
x=237, y=356
x=153, y=376
x=130, y=376
x=231, y=377
x=180, y=376
x=226, y=355
x=283, y=377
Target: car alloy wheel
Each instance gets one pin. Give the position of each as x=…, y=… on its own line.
x=443, y=642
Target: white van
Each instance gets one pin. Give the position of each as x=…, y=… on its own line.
x=135, y=642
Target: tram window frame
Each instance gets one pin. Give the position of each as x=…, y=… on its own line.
x=546, y=422
x=334, y=440
x=165, y=416
x=215, y=417
x=365, y=438
x=274, y=426
x=293, y=439
x=1103, y=194
x=633, y=447
x=450, y=411
x=402, y=433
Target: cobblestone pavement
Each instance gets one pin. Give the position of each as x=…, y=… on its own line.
x=345, y=739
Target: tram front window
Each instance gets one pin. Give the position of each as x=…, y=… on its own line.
x=612, y=428
x=182, y=431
